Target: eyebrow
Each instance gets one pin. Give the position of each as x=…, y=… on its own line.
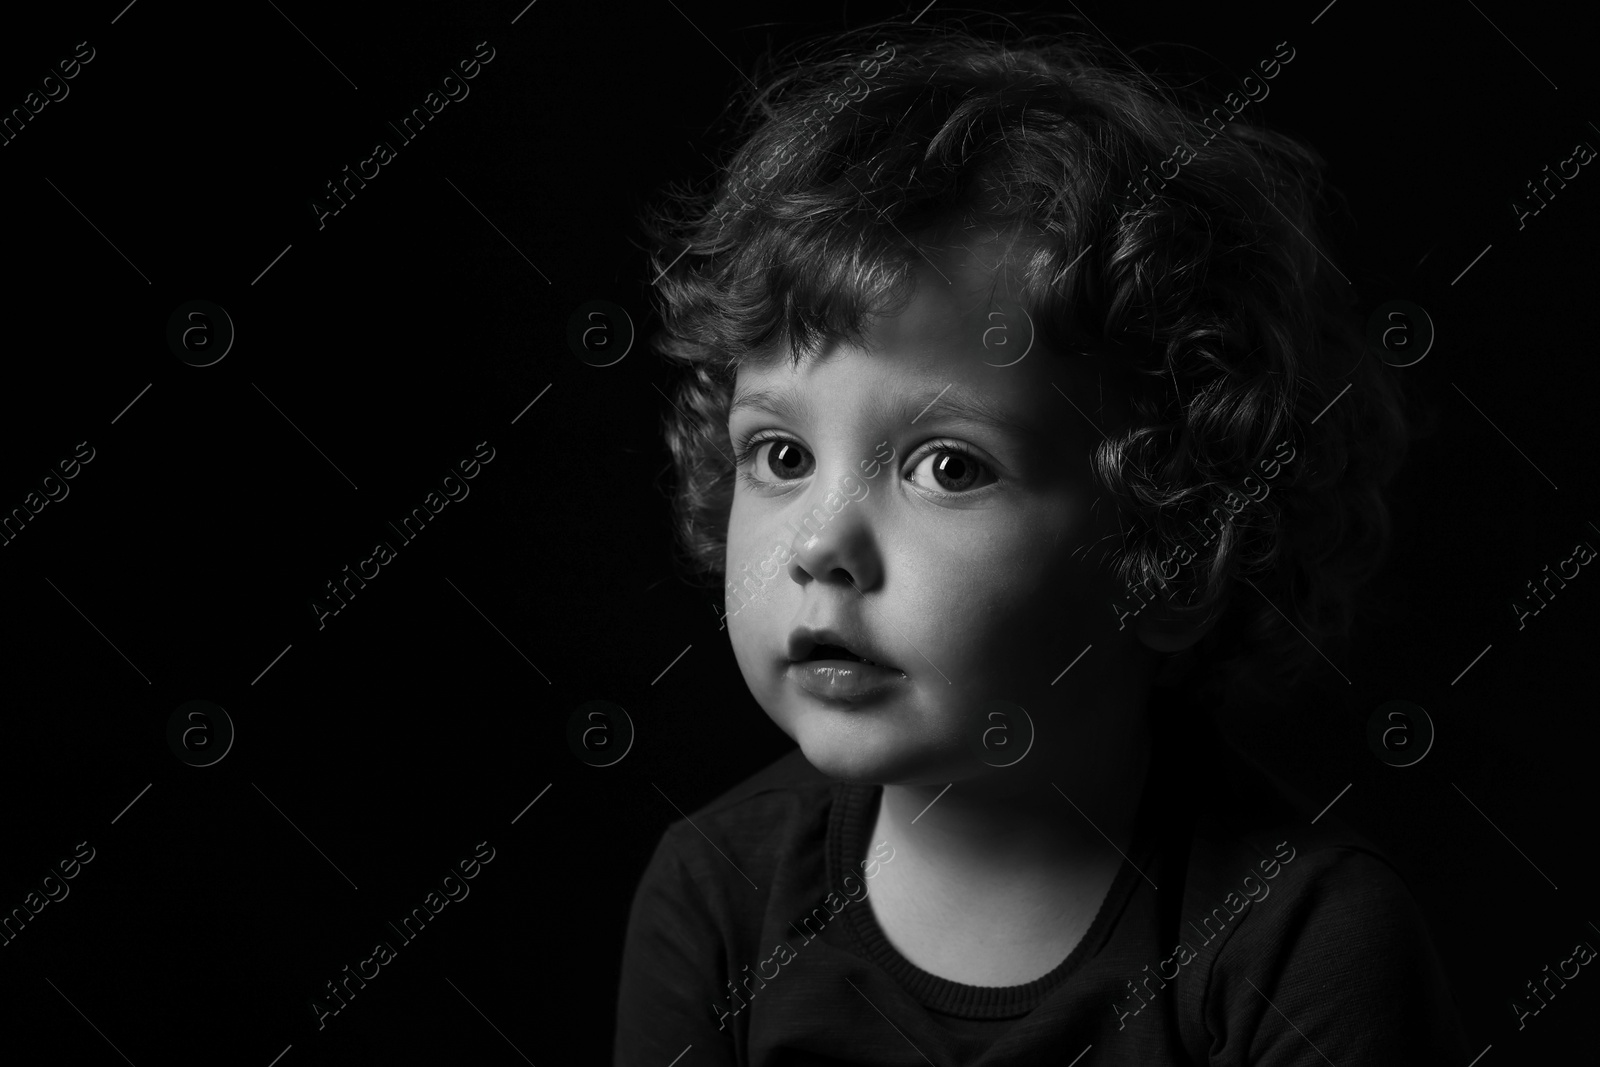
x=958, y=406
x=772, y=402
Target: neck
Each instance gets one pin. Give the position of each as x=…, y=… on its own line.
x=1068, y=816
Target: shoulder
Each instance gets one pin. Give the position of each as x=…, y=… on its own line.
x=1248, y=832
x=745, y=834
x=790, y=775
x=1291, y=863
x=700, y=907
x=1312, y=922
x=1232, y=807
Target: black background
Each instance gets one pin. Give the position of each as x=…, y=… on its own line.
x=424, y=318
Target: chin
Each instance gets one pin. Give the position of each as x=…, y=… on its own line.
x=840, y=748
x=843, y=764
x=868, y=752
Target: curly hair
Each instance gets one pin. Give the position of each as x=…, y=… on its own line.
x=1210, y=289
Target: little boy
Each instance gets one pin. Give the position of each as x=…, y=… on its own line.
x=1009, y=455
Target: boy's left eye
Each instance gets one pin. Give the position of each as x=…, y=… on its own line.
x=953, y=470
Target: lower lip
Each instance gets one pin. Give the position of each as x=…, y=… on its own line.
x=844, y=680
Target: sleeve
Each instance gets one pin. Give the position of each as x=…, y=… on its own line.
x=668, y=998
x=1340, y=969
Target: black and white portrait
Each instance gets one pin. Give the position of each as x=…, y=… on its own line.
x=691, y=536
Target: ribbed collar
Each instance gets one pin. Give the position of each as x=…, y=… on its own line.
x=850, y=823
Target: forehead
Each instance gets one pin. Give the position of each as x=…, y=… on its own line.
x=963, y=345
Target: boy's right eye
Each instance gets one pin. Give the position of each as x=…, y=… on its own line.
x=774, y=460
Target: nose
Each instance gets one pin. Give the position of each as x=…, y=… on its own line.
x=835, y=544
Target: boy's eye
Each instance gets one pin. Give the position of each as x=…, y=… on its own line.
x=780, y=460
x=947, y=468
x=953, y=470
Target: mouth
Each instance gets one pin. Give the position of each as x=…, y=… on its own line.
x=835, y=673
x=840, y=681
x=840, y=654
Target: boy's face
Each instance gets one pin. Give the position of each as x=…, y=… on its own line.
x=955, y=551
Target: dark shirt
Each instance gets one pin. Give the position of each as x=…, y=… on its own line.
x=1271, y=940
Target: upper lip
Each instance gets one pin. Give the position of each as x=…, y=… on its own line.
x=805, y=638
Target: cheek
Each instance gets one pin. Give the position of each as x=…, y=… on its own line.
x=749, y=641
x=750, y=615
x=741, y=636
x=1005, y=587
x=744, y=543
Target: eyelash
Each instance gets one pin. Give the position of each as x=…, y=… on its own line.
x=745, y=451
